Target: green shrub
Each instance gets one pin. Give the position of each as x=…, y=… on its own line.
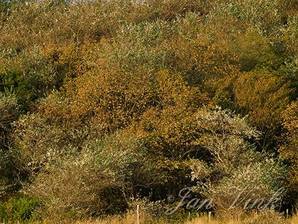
x=19, y=208
x=3, y=213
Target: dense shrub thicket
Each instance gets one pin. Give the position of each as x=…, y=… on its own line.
x=105, y=102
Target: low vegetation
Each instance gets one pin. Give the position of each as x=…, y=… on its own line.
x=162, y=103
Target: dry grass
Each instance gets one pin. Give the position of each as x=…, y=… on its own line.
x=294, y=220
x=265, y=218
x=262, y=218
x=128, y=219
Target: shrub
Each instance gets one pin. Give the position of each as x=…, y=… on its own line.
x=78, y=187
x=10, y=166
x=262, y=96
x=93, y=111
x=254, y=12
x=8, y=114
x=34, y=72
x=259, y=185
x=19, y=209
x=289, y=150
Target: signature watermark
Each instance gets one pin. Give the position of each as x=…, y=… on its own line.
x=242, y=199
